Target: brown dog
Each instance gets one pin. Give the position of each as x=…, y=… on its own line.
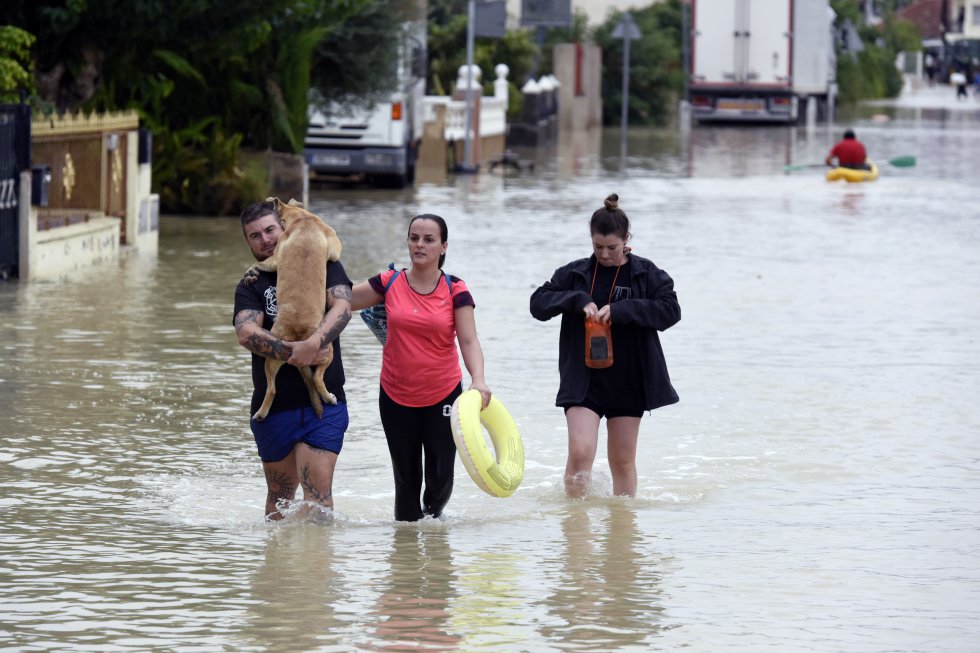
x=300, y=263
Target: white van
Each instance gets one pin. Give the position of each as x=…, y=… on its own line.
x=378, y=142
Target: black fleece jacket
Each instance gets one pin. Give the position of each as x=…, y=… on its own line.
x=653, y=308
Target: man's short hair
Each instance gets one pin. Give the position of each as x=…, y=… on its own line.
x=258, y=210
x=849, y=133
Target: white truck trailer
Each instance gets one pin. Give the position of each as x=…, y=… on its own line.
x=377, y=141
x=761, y=60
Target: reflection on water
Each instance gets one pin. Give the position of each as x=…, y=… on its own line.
x=297, y=589
x=414, y=607
x=607, y=596
x=815, y=487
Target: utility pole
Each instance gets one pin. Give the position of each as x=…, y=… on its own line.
x=467, y=144
x=627, y=30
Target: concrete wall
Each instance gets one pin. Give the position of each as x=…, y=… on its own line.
x=444, y=132
x=433, y=158
x=62, y=252
x=90, y=237
x=579, y=108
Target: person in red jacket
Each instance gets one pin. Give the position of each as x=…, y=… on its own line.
x=849, y=152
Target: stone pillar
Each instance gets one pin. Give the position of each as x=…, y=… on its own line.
x=501, y=87
x=26, y=227
x=532, y=103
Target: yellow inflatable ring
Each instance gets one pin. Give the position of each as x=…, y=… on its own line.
x=499, y=473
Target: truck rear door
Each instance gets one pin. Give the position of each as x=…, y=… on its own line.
x=766, y=36
x=714, y=48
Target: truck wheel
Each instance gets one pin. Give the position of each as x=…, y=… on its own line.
x=822, y=109
x=801, y=111
x=388, y=181
x=411, y=158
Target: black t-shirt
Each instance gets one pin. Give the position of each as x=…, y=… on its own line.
x=291, y=392
x=621, y=384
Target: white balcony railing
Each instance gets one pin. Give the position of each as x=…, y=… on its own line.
x=492, y=111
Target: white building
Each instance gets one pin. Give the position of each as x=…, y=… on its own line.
x=596, y=10
x=965, y=19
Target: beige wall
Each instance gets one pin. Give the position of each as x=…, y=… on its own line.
x=61, y=252
x=584, y=111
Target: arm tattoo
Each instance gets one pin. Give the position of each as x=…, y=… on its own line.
x=337, y=292
x=335, y=330
x=261, y=342
x=265, y=345
x=244, y=317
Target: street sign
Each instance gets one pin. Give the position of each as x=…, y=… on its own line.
x=546, y=13
x=491, y=19
x=626, y=28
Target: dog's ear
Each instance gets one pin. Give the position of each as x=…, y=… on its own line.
x=276, y=202
x=293, y=202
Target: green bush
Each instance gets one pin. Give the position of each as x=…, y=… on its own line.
x=196, y=170
x=655, y=70
x=16, y=69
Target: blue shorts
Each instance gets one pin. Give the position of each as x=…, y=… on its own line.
x=276, y=436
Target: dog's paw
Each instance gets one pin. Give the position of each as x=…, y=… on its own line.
x=251, y=275
x=330, y=398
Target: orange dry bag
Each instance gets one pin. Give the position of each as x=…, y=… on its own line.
x=598, y=344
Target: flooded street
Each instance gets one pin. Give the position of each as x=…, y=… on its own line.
x=816, y=488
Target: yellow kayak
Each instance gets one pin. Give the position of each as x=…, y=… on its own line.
x=853, y=174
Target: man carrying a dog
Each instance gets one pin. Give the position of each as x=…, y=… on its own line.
x=296, y=447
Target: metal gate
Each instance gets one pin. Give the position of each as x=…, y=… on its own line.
x=15, y=156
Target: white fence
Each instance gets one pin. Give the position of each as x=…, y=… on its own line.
x=492, y=110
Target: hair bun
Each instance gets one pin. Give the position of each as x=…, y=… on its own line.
x=611, y=202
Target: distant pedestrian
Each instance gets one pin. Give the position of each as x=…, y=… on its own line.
x=930, y=68
x=958, y=80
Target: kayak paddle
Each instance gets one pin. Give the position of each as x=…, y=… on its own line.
x=903, y=161
x=899, y=162
x=806, y=166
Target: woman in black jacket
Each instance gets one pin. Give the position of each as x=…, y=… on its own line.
x=632, y=299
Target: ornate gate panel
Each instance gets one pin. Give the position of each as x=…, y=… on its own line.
x=15, y=156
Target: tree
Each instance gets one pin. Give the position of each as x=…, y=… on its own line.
x=346, y=72
x=655, y=66
x=872, y=73
x=447, y=52
x=207, y=76
x=15, y=63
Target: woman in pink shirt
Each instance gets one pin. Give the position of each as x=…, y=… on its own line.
x=428, y=311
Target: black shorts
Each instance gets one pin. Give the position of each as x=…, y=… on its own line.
x=608, y=413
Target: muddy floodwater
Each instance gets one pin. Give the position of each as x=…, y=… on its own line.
x=816, y=488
